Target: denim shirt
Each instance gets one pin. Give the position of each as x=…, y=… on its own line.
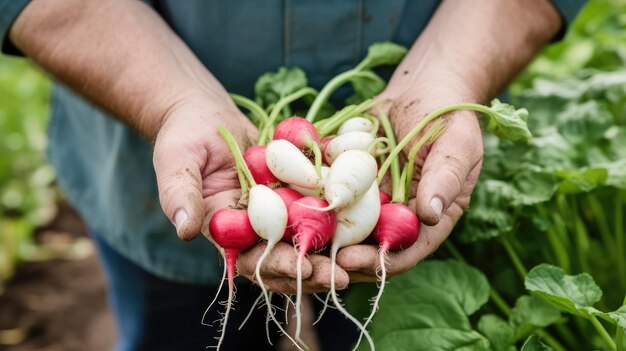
x=106, y=169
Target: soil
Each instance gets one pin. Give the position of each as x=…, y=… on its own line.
x=59, y=304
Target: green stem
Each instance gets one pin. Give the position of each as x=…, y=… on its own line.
x=582, y=239
x=558, y=248
x=619, y=333
x=331, y=86
x=603, y=333
x=398, y=196
x=517, y=262
x=332, y=123
x=267, y=131
x=318, y=158
x=375, y=123
x=418, y=128
x=257, y=111
x=603, y=227
x=326, y=91
x=429, y=137
x=619, y=237
x=245, y=177
x=395, y=165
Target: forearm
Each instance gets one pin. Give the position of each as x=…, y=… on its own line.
x=471, y=49
x=119, y=54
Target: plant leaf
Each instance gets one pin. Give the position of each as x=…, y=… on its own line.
x=508, y=123
x=530, y=313
x=272, y=86
x=498, y=331
x=435, y=299
x=574, y=294
x=577, y=181
x=534, y=344
x=366, y=85
x=382, y=54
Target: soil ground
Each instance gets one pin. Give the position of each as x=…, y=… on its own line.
x=57, y=305
x=60, y=304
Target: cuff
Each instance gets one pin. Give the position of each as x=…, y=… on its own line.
x=568, y=9
x=9, y=10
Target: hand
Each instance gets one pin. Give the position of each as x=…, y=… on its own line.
x=196, y=177
x=444, y=178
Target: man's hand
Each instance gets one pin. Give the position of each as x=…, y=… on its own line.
x=468, y=52
x=445, y=175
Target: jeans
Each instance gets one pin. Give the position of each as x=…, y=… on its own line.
x=155, y=314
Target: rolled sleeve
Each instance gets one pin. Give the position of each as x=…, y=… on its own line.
x=9, y=10
x=568, y=9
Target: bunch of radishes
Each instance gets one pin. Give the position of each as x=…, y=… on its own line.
x=317, y=184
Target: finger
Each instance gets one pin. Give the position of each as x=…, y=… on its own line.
x=450, y=159
x=363, y=258
x=281, y=262
x=179, y=184
x=216, y=202
x=320, y=278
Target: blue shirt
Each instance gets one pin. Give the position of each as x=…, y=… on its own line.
x=106, y=169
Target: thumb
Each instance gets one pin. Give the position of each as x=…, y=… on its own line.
x=180, y=188
x=455, y=156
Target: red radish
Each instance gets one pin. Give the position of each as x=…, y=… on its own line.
x=255, y=160
x=312, y=230
x=384, y=198
x=288, y=196
x=297, y=131
x=231, y=230
x=397, y=229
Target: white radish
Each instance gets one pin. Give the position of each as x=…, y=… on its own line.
x=309, y=192
x=354, y=224
x=268, y=216
x=360, y=124
x=290, y=165
x=350, y=176
x=356, y=140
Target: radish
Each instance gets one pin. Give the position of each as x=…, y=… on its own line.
x=354, y=224
x=297, y=131
x=384, y=198
x=324, y=145
x=268, y=216
x=350, y=176
x=309, y=192
x=231, y=230
x=312, y=230
x=348, y=141
x=288, y=196
x=289, y=165
x=397, y=229
x=303, y=135
x=356, y=124
x=255, y=160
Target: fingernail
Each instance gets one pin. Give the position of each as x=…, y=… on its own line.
x=437, y=206
x=180, y=218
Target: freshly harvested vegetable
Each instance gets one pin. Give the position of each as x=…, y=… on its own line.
x=356, y=140
x=289, y=165
x=356, y=124
x=350, y=176
x=255, y=160
x=231, y=230
x=311, y=231
x=354, y=224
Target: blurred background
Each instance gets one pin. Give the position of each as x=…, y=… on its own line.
x=52, y=293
